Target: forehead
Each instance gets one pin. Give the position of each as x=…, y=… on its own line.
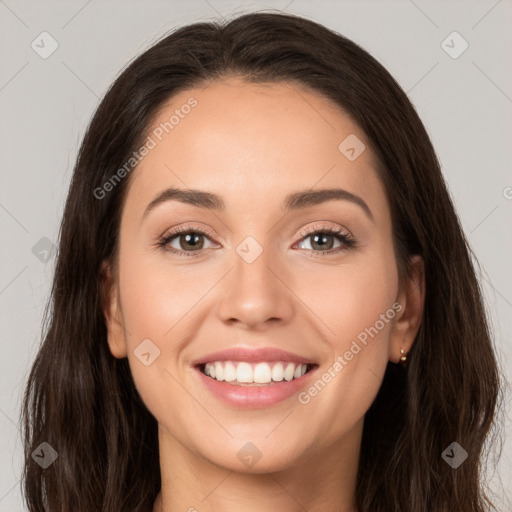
x=247, y=140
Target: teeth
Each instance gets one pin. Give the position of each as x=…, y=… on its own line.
x=289, y=371
x=258, y=373
x=262, y=373
x=278, y=372
x=244, y=373
x=229, y=372
x=219, y=371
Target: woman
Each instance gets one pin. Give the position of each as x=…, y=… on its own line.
x=263, y=297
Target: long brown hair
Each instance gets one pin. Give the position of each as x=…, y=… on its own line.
x=83, y=402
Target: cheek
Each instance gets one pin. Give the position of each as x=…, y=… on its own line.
x=163, y=302
x=349, y=297
x=356, y=303
x=156, y=298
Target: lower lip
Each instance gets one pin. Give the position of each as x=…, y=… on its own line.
x=254, y=397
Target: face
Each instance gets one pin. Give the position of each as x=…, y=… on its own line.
x=269, y=263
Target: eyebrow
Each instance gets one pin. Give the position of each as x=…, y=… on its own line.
x=294, y=201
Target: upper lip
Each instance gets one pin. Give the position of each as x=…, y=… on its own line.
x=252, y=355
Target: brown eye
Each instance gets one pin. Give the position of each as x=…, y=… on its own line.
x=326, y=241
x=322, y=241
x=190, y=243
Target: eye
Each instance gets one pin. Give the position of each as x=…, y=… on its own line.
x=322, y=240
x=186, y=241
x=193, y=241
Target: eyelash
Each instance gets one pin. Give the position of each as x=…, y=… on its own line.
x=346, y=239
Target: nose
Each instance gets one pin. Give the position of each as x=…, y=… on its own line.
x=256, y=295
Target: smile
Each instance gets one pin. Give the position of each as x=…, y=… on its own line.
x=262, y=373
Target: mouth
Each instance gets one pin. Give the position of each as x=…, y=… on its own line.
x=249, y=378
x=255, y=374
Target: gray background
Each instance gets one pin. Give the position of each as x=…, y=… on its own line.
x=46, y=104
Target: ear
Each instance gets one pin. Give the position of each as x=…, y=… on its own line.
x=112, y=311
x=411, y=298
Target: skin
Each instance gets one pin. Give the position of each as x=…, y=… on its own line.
x=290, y=297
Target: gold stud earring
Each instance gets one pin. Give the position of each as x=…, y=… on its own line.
x=403, y=357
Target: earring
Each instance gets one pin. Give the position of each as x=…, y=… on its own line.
x=403, y=357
